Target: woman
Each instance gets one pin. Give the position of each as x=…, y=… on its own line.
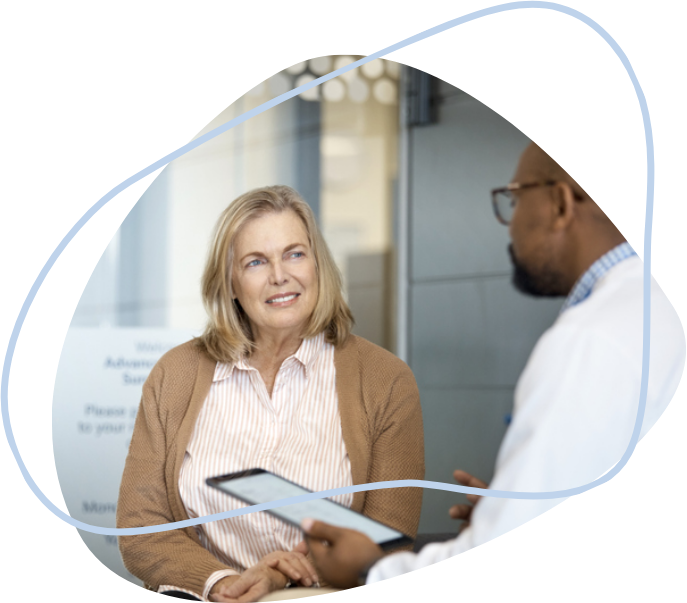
x=276, y=381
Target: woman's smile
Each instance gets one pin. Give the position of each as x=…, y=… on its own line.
x=282, y=300
x=274, y=275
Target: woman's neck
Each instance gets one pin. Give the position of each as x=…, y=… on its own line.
x=270, y=352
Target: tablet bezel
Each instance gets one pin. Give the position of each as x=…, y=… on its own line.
x=215, y=482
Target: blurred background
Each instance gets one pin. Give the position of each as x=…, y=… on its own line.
x=397, y=166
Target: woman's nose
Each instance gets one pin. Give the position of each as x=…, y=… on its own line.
x=279, y=275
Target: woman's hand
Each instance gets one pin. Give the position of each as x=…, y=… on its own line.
x=252, y=585
x=221, y=585
x=271, y=573
x=293, y=565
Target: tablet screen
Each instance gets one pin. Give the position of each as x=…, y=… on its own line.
x=266, y=487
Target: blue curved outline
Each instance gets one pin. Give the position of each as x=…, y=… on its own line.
x=646, y=326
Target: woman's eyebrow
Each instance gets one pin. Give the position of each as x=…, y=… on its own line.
x=262, y=255
x=293, y=246
x=255, y=253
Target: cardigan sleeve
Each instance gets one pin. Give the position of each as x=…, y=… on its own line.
x=397, y=453
x=170, y=558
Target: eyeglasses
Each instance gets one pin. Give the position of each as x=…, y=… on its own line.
x=504, y=199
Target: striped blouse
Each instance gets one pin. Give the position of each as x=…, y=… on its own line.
x=295, y=433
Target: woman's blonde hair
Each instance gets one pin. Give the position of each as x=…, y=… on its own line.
x=228, y=336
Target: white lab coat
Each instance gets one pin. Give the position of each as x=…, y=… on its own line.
x=575, y=407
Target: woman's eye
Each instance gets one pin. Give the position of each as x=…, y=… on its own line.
x=253, y=263
x=297, y=254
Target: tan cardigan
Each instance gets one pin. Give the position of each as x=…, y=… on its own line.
x=381, y=422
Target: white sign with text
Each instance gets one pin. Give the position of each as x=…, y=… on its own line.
x=97, y=393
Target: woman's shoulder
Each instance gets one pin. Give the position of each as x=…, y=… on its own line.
x=372, y=357
x=180, y=372
x=180, y=363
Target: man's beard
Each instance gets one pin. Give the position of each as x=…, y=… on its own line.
x=547, y=282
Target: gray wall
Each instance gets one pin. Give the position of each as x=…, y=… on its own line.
x=469, y=331
x=369, y=296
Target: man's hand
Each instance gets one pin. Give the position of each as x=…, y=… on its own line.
x=464, y=512
x=340, y=555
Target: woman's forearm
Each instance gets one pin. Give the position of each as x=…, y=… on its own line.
x=223, y=583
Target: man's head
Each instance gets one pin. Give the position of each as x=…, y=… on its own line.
x=556, y=230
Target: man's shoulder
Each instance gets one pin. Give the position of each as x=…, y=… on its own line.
x=612, y=317
x=617, y=302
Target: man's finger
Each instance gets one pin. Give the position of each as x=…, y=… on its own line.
x=466, y=479
x=460, y=512
x=319, y=550
x=321, y=530
x=301, y=547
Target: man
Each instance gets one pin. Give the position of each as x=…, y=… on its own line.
x=576, y=401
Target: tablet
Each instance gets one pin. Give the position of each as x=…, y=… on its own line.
x=256, y=486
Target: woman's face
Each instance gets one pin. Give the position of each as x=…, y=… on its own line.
x=274, y=275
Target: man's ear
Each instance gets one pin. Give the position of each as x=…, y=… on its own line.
x=563, y=205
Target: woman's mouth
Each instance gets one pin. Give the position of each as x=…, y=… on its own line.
x=282, y=298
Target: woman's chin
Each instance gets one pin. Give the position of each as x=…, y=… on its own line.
x=284, y=327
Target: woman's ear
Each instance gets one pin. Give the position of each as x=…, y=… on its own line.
x=232, y=286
